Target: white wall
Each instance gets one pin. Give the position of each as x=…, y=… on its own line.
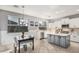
x=8, y=38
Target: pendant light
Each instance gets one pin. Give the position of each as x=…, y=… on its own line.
x=22, y=18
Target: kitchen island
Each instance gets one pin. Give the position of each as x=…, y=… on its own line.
x=59, y=39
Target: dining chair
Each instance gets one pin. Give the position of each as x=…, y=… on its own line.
x=16, y=44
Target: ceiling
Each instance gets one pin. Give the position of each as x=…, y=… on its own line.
x=44, y=11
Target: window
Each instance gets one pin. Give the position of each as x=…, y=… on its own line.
x=17, y=29
x=16, y=24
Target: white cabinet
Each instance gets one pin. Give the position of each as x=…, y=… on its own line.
x=74, y=23
x=75, y=36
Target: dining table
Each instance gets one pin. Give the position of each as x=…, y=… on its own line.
x=25, y=40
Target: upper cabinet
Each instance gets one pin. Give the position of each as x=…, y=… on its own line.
x=72, y=23
x=42, y=25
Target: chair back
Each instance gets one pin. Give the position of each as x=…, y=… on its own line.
x=15, y=40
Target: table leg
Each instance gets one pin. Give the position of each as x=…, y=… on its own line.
x=19, y=48
x=15, y=49
x=33, y=45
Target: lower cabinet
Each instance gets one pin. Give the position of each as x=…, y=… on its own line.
x=68, y=41
x=63, y=41
x=52, y=39
x=57, y=40
x=49, y=38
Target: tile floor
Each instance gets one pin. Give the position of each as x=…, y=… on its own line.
x=45, y=47
x=42, y=46
x=3, y=48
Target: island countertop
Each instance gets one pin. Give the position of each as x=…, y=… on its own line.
x=60, y=34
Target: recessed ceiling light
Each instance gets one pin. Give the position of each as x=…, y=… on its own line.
x=57, y=12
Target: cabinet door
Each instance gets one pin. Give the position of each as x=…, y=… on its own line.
x=52, y=39
x=67, y=40
x=63, y=41
x=49, y=38
x=57, y=38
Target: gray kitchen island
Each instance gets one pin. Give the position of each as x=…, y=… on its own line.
x=62, y=40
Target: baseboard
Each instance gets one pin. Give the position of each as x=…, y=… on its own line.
x=74, y=41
